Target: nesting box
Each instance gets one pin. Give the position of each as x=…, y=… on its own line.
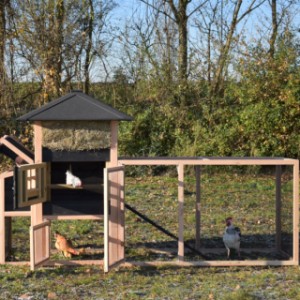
x=74, y=173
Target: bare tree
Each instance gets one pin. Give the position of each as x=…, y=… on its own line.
x=3, y=6
x=237, y=17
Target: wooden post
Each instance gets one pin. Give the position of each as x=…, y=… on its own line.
x=278, y=207
x=296, y=212
x=114, y=144
x=198, y=211
x=2, y=221
x=37, y=209
x=180, y=169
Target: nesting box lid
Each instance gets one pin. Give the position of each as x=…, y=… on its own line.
x=75, y=106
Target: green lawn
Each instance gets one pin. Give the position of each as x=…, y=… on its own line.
x=249, y=198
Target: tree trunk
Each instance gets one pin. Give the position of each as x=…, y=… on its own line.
x=181, y=20
x=274, y=28
x=89, y=48
x=218, y=78
x=3, y=5
x=60, y=14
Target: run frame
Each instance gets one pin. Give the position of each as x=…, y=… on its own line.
x=224, y=161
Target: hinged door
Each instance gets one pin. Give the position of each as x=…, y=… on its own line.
x=30, y=184
x=39, y=244
x=114, y=219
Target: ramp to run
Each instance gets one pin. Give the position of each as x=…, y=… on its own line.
x=12, y=148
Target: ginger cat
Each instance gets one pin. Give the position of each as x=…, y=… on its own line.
x=65, y=246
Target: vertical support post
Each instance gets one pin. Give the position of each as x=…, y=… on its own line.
x=278, y=207
x=2, y=221
x=114, y=144
x=37, y=209
x=180, y=169
x=296, y=212
x=121, y=185
x=197, y=208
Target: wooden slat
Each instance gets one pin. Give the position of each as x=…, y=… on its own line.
x=39, y=244
x=214, y=263
x=278, y=207
x=205, y=161
x=73, y=217
x=17, y=214
x=67, y=186
x=198, y=207
x=180, y=211
x=2, y=220
x=296, y=211
x=16, y=150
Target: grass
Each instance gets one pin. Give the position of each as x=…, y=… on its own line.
x=249, y=198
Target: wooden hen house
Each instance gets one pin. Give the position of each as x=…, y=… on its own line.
x=78, y=134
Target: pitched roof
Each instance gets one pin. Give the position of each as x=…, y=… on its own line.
x=75, y=106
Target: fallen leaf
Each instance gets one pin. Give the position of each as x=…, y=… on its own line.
x=52, y=295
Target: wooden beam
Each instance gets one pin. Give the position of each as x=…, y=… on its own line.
x=180, y=169
x=278, y=207
x=16, y=150
x=2, y=221
x=205, y=161
x=197, y=206
x=296, y=211
x=37, y=209
x=114, y=144
x=73, y=217
x=213, y=263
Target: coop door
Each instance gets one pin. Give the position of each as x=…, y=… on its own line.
x=114, y=219
x=39, y=244
x=30, y=184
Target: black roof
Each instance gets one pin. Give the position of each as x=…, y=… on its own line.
x=75, y=106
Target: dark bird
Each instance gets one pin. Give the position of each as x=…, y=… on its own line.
x=232, y=237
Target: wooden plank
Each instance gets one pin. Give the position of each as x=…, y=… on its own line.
x=39, y=244
x=278, y=207
x=205, y=161
x=6, y=174
x=17, y=214
x=67, y=186
x=213, y=263
x=113, y=144
x=37, y=209
x=198, y=207
x=121, y=214
x=70, y=262
x=114, y=233
x=180, y=169
x=2, y=220
x=16, y=150
x=106, y=222
x=296, y=212
x=74, y=217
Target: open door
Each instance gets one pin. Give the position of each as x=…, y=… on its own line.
x=30, y=189
x=39, y=244
x=30, y=184
x=114, y=219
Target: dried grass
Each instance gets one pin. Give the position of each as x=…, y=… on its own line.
x=76, y=136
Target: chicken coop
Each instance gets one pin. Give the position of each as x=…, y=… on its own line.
x=73, y=174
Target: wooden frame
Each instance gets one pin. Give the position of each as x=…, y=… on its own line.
x=39, y=250
x=114, y=219
x=31, y=184
x=205, y=161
